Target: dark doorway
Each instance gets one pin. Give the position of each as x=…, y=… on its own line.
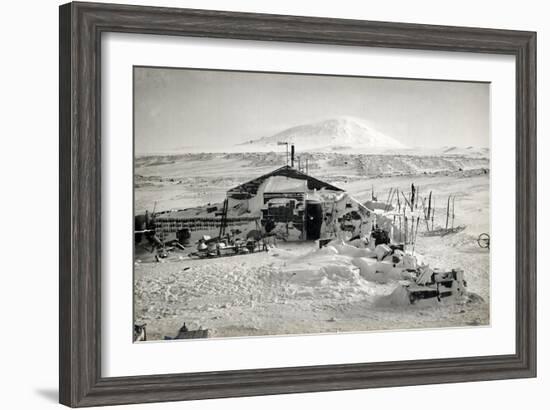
x=314, y=220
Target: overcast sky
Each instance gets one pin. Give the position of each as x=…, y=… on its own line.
x=178, y=108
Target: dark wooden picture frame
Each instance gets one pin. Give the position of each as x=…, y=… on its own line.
x=81, y=27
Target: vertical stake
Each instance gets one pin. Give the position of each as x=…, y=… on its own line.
x=433, y=214
x=447, y=220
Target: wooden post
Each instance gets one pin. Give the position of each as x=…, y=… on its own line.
x=405, y=222
x=388, y=200
x=429, y=205
x=407, y=203
x=412, y=229
x=398, y=202
x=433, y=214
x=223, y=218
x=426, y=217
x=415, y=233
x=400, y=230
x=453, y=219
x=447, y=220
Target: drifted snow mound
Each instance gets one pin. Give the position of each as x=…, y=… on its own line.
x=339, y=247
x=341, y=270
x=335, y=250
x=326, y=272
x=380, y=272
x=398, y=298
x=321, y=266
x=337, y=134
x=334, y=272
x=353, y=252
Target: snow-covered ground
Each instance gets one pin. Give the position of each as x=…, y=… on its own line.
x=295, y=288
x=185, y=180
x=292, y=289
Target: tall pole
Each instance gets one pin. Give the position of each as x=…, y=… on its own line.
x=429, y=208
x=447, y=220
x=433, y=214
x=453, y=220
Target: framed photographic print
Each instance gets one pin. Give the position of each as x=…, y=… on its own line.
x=260, y=204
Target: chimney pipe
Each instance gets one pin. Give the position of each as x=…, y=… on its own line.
x=292, y=155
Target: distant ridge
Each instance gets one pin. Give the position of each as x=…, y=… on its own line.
x=466, y=151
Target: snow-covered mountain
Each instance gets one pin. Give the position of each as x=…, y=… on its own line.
x=336, y=134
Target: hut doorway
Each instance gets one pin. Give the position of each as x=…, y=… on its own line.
x=314, y=220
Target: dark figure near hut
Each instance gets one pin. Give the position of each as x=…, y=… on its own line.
x=269, y=224
x=381, y=237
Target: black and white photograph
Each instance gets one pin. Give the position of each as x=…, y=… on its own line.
x=275, y=205
x=289, y=204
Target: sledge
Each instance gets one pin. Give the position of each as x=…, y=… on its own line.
x=190, y=334
x=185, y=333
x=436, y=284
x=216, y=248
x=226, y=244
x=445, y=231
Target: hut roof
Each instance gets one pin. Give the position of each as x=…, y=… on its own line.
x=251, y=187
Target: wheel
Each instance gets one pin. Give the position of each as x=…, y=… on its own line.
x=484, y=240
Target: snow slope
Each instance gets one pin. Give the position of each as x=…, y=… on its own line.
x=336, y=134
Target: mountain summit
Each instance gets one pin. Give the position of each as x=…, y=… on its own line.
x=336, y=134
